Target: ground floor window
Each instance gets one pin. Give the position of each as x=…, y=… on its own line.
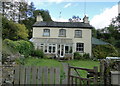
x=68, y=49
x=51, y=48
x=80, y=47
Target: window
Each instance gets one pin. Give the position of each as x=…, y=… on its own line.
x=46, y=32
x=66, y=49
x=80, y=47
x=78, y=33
x=52, y=48
x=62, y=32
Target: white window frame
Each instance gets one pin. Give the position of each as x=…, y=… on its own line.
x=52, y=45
x=78, y=33
x=46, y=32
x=80, y=47
x=62, y=32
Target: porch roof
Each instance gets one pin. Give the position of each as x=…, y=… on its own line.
x=52, y=40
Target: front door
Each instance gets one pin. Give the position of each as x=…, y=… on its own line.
x=61, y=50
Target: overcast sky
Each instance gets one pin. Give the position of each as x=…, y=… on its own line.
x=100, y=12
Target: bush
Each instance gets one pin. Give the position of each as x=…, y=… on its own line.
x=38, y=53
x=103, y=51
x=21, y=46
x=77, y=56
x=86, y=56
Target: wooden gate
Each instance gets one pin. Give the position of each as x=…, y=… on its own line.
x=77, y=79
x=36, y=75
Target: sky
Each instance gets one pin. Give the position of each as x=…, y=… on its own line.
x=100, y=12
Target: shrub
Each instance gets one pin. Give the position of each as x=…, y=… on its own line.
x=21, y=46
x=103, y=51
x=77, y=55
x=38, y=53
x=86, y=56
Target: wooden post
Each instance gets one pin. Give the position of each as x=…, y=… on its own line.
x=68, y=75
x=96, y=76
x=102, y=69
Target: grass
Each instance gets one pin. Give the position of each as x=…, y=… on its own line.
x=85, y=64
x=42, y=62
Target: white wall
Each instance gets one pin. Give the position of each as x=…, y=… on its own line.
x=70, y=32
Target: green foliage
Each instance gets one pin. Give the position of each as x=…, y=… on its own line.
x=38, y=53
x=77, y=56
x=86, y=56
x=21, y=46
x=20, y=61
x=103, y=51
x=13, y=31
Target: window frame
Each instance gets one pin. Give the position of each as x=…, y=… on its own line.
x=62, y=32
x=46, y=31
x=80, y=48
x=78, y=34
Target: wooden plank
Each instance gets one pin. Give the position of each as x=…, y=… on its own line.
x=45, y=77
x=51, y=71
x=57, y=75
x=80, y=82
x=69, y=71
x=22, y=74
x=40, y=73
x=72, y=80
x=65, y=68
x=28, y=75
x=95, y=76
x=34, y=75
x=16, y=75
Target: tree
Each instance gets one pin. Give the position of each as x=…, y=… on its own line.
x=44, y=13
x=31, y=9
x=13, y=31
x=15, y=11
x=75, y=19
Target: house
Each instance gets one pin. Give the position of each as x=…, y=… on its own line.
x=62, y=39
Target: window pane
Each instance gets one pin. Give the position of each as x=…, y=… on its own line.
x=45, y=48
x=80, y=47
x=50, y=49
x=66, y=49
x=46, y=32
x=53, y=49
x=78, y=33
x=62, y=32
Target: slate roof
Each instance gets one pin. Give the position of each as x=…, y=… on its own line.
x=62, y=24
x=52, y=40
x=96, y=41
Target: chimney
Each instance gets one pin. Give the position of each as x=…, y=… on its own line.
x=85, y=19
x=39, y=17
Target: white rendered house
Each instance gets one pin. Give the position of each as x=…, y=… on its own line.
x=62, y=39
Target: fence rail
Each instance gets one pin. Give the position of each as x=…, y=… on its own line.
x=77, y=79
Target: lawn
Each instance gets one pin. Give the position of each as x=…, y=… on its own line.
x=55, y=63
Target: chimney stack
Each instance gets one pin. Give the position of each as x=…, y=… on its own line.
x=39, y=17
x=85, y=19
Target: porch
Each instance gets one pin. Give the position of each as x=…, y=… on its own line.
x=55, y=47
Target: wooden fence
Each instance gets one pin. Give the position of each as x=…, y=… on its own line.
x=77, y=79
x=36, y=75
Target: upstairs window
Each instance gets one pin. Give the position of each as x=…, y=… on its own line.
x=62, y=32
x=46, y=32
x=78, y=33
x=80, y=47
